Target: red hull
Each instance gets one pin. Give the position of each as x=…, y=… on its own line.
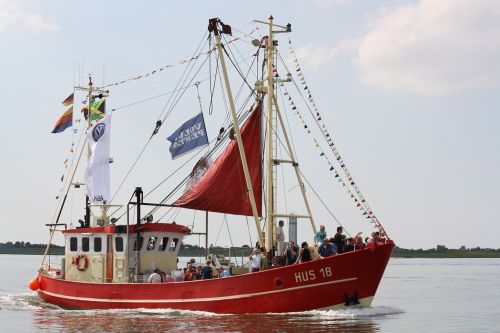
x=312, y=285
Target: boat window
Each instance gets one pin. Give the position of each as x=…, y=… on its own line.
x=151, y=243
x=97, y=244
x=138, y=248
x=73, y=244
x=163, y=244
x=85, y=244
x=174, y=244
x=119, y=244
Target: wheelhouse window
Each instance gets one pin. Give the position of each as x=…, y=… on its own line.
x=85, y=244
x=151, y=243
x=73, y=244
x=97, y=244
x=163, y=244
x=174, y=244
x=119, y=244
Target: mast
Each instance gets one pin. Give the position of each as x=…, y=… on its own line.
x=89, y=112
x=271, y=160
x=213, y=24
x=269, y=144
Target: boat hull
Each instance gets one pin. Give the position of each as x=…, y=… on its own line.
x=337, y=281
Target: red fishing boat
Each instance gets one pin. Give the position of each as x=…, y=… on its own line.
x=107, y=265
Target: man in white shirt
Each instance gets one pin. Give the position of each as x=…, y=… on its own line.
x=280, y=238
x=255, y=259
x=155, y=277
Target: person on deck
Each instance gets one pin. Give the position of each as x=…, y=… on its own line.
x=197, y=275
x=349, y=245
x=358, y=242
x=280, y=238
x=325, y=250
x=223, y=273
x=291, y=253
x=155, y=277
x=206, y=271
x=255, y=259
x=304, y=253
x=334, y=247
x=320, y=235
x=375, y=237
x=338, y=239
x=190, y=272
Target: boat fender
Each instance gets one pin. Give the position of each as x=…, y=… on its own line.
x=279, y=283
x=34, y=284
x=77, y=262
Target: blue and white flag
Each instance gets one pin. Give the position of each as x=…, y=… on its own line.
x=191, y=135
x=97, y=173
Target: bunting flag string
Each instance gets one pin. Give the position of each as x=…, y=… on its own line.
x=182, y=62
x=337, y=176
x=348, y=182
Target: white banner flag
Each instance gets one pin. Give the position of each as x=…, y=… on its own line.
x=97, y=173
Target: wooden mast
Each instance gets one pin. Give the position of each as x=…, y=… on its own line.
x=269, y=144
x=237, y=130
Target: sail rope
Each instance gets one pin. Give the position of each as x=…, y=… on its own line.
x=172, y=65
x=159, y=123
x=219, y=142
x=179, y=93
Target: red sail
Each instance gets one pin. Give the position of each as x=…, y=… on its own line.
x=223, y=188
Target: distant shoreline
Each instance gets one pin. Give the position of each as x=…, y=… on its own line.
x=245, y=251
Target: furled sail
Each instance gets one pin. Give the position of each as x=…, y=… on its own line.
x=222, y=187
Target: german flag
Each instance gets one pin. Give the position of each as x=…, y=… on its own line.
x=64, y=122
x=69, y=100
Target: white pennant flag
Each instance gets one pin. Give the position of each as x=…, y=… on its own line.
x=97, y=173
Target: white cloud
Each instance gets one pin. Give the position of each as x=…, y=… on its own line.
x=13, y=15
x=313, y=56
x=324, y=3
x=432, y=47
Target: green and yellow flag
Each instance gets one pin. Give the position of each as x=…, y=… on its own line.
x=97, y=110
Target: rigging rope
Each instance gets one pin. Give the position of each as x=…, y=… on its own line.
x=360, y=200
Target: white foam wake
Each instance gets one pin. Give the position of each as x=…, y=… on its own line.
x=356, y=312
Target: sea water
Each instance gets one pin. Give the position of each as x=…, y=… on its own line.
x=415, y=295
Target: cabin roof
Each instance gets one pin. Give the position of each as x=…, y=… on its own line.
x=113, y=229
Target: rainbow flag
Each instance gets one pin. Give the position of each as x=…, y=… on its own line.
x=64, y=122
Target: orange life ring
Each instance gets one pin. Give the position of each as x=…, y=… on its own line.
x=76, y=262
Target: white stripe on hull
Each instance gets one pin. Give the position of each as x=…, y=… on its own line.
x=207, y=299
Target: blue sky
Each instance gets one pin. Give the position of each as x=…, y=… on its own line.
x=409, y=90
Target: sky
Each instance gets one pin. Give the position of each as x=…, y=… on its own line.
x=408, y=90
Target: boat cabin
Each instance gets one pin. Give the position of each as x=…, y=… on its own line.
x=116, y=253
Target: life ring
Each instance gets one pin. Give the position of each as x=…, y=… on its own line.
x=76, y=262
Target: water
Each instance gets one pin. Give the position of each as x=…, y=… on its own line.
x=416, y=295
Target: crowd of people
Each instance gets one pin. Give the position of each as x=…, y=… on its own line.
x=327, y=247
x=191, y=272
x=324, y=247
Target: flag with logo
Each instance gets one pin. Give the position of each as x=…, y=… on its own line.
x=191, y=135
x=97, y=173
